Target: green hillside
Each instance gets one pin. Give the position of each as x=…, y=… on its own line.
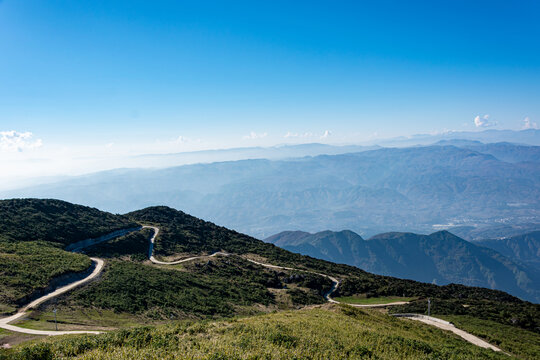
x=32, y=234
x=28, y=266
x=134, y=291
x=210, y=287
x=333, y=332
x=133, y=246
x=55, y=221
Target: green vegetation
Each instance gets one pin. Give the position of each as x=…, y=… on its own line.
x=334, y=333
x=55, y=221
x=213, y=287
x=522, y=343
x=167, y=293
x=29, y=266
x=133, y=246
x=373, y=300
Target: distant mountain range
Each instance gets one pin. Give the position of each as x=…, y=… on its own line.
x=504, y=151
x=440, y=258
x=417, y=189
x=525, y=137
x=524, y=248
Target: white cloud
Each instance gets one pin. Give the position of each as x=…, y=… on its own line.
x=298, y=135
x=186, y=140
x=182, y=140
x=14, y=141
x=253, y=135
x=483, y=121
x=528, y=124
x=307, y=135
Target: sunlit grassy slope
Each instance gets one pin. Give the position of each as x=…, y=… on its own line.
x=332, y=332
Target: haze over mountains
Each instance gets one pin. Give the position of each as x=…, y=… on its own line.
x=452, y=184
x=526, y=137
x=524, y=248
x=440, y=258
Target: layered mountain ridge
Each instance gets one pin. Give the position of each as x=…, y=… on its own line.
x=439, y=258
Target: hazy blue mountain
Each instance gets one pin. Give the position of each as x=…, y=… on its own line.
x=415, y=189
x=524, y=248
x=234, y=154
x=526, y=137
x=440, y=258
x=503, y=151
x=475, y=233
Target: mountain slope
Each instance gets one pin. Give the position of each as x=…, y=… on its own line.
x=504, y=151
x=32, y=235
x=133, y=288
x=55, y=221
x=440, y=258
x=473, y=233
x=524, y=248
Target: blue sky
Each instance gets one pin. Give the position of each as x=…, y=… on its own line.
x=164, y=76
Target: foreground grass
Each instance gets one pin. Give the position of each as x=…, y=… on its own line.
x=372, y=300
x=80, y=319
x=333, y=332
x=522, y=343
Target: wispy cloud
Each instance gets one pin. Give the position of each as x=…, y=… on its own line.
x=528, y=124
x=186, y=140
x=253, y=135
x=483, y=121
x=14, y=141
x=298, y=135
x=307, y=135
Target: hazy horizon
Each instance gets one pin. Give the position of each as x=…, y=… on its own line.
x=85, y=84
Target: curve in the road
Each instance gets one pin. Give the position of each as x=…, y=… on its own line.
x=4, y=322
x=98, y=267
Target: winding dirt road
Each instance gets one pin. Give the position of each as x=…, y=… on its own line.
x=155, y=261
x=4, y=322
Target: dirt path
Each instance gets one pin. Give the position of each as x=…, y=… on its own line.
x=445, y=325
x=98, y=267
x=4, y=322
x=155, y=261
